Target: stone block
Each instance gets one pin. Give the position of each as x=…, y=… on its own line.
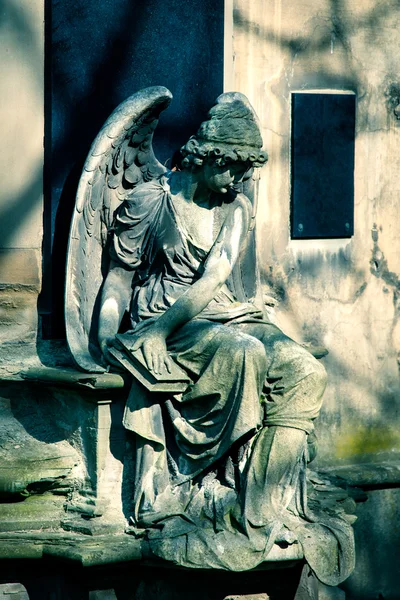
x=37, y=447
x=18, y=322
x=21, y=124
x=39, y=512
x=20, y=266
x=377, y=538
x=248, y=597
x=13, y=591
x=20, y=274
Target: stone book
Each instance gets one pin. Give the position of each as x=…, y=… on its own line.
x=175, y=382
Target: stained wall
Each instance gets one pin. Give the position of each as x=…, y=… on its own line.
x=344, y=293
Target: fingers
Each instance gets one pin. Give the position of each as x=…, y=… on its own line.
x=148, y=355
x=157, y=362
x=168, y=363
x=161, y=363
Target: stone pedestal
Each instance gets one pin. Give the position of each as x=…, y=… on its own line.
x=136, y=581
x=66, y=540
x=65, y=452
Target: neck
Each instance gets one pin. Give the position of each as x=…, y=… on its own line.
x=190, y=185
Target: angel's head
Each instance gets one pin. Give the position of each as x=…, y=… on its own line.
x=228, y=145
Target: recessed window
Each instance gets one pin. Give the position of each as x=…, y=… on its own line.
x=322, y=203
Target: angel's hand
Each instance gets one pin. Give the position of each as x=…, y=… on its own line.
x=154, y=350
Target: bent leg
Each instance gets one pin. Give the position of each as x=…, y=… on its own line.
x=295, y=380
x=294, y=386
x=223, y=403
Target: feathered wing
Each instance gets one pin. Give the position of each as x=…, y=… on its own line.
x=121, y=157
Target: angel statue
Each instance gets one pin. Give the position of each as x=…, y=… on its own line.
x=219, y=472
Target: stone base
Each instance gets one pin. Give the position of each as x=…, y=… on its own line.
x=134, y=581
x=13, y=591
x=39, y=512
x=103, y=575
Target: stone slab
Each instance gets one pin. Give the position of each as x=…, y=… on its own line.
x=370, y=475
x=39, y=512
x=20, y=266
x=72, y=377
x=13, y=591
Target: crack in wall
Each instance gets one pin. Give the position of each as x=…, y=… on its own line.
x=379, y=266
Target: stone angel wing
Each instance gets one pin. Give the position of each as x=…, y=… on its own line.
x=121, y=157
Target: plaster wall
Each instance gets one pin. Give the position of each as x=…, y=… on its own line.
x=342, y=294
x=21, y=166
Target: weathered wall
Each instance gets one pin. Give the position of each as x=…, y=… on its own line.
x=21, y=166
x=343, y=294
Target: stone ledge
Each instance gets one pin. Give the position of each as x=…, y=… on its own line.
x=368, y=476
x=75, y=378
x=53, y=376
x=107, y=549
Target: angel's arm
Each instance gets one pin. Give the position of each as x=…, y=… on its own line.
x=218, y=267
x=115, y=298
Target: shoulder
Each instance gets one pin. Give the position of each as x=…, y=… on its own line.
x=154, y=188
x=142, y=201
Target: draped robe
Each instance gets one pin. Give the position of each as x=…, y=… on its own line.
x=198, y=456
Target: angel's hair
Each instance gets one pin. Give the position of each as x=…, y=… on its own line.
x=230, y=134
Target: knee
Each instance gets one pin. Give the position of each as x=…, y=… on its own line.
x=302, y=366
x=256, y=349
x=245, y=346
x=310, y=381
x=319, y=374
x=314, y=372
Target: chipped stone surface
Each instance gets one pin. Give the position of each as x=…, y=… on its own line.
x=13, y=591
x=20, y=278
x=35, y=453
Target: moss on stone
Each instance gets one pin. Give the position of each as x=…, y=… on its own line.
x=367, y=440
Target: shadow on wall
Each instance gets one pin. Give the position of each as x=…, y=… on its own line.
x=340, y=24
x=330, y=29
x=12, y=18
x=85, y=95
x=84, y=116
x=364, y=390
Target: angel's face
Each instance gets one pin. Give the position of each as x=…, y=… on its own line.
x=220, y=179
